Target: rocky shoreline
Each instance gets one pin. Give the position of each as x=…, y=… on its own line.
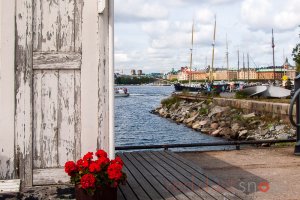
x=226, y=122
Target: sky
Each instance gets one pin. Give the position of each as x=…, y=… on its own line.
x=155, y=35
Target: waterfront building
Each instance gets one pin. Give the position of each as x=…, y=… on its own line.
x=139, y=72
x=289, y=70
x=268, y=73
x=243, y=74
x=225, y=75
x=132, y=72
x=171, y=76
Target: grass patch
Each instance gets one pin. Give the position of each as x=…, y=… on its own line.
x=241, y=95
x=203, y=111
x=287, y=144
x=168, y=102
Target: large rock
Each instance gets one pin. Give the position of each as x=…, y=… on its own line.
x=162, y=111
x=197, y=105
x=214, y=125
x=205, y=130
x=225, y=132
x=235, y=127
x=196, y=125
x=248, y=116
x=179, y=120
x=204, y=122
x=251, y=137
x=283, y=136
x=280, y=128
x=243, y=134
x=217, y=109
x=222, y=124
x=216, y=133
x=191, y=119
x=264, y=132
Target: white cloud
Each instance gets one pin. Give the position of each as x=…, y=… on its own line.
x=121, y=57
x=204, y=16
x=139, y=10
x=267, y=14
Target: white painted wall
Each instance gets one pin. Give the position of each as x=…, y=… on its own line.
x=89, y=77
x=7, y=100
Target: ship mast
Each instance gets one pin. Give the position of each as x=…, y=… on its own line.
x=248, y=65
x=213, y=53
x=238, y=71
x=273, y=46
x=227, y=61
x=244, y=71
x=191, y=57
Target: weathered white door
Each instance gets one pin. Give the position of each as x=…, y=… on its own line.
x=61, y=82
x=56, y=87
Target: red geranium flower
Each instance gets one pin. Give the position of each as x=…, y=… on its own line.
x=101, y=153
x=102, y=161
x=88, y=181
x=88, y=156
x=94, y=167
x=114, y=171
x=92, y=175
x=118, y=160
x=70, y=168
x=82, y=164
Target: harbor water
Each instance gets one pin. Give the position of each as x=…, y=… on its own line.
x=135, y=125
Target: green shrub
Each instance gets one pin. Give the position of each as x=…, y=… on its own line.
x=168, y=102
x=203, y=111
x=241, y=95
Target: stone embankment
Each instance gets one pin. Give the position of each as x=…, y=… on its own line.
x=224, y=121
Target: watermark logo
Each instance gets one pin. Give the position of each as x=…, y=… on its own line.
x=264, y=186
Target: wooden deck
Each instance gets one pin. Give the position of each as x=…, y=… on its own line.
x=165, y=175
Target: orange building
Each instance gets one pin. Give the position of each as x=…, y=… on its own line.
x=268, y=74
x=243, y=74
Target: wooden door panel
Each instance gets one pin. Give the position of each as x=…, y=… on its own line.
x=54, y=25
x=45, y=90
x=56, y=116
x=66, y=118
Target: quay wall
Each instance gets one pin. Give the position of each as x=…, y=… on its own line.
x=274, y=109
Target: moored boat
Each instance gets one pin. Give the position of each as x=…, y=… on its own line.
x=121, y=92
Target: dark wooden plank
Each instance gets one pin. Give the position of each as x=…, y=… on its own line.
x=152, y=193
x=127, y=192
x=120, y=195
x=197, y=183
x=194, y=168
x=135, y=186
x=177, y=181
x=155, y=184
x=157, y=174
x=183, y=180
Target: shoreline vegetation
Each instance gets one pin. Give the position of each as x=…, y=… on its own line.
x=226, y=122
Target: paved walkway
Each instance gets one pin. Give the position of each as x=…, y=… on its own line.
x=263, y=173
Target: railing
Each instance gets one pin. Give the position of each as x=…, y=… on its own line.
x=237, y=144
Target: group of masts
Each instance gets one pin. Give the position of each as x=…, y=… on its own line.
x=211, y=78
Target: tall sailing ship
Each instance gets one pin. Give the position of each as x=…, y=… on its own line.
x=190, y=87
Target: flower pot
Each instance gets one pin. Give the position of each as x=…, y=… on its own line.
x=103, y=194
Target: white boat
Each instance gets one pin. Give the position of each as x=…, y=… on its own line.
x=267, y=91
x=121, y=92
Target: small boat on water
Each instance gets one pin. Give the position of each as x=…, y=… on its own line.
x=121, y=92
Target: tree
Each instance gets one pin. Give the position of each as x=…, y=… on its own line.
x=296, y=56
